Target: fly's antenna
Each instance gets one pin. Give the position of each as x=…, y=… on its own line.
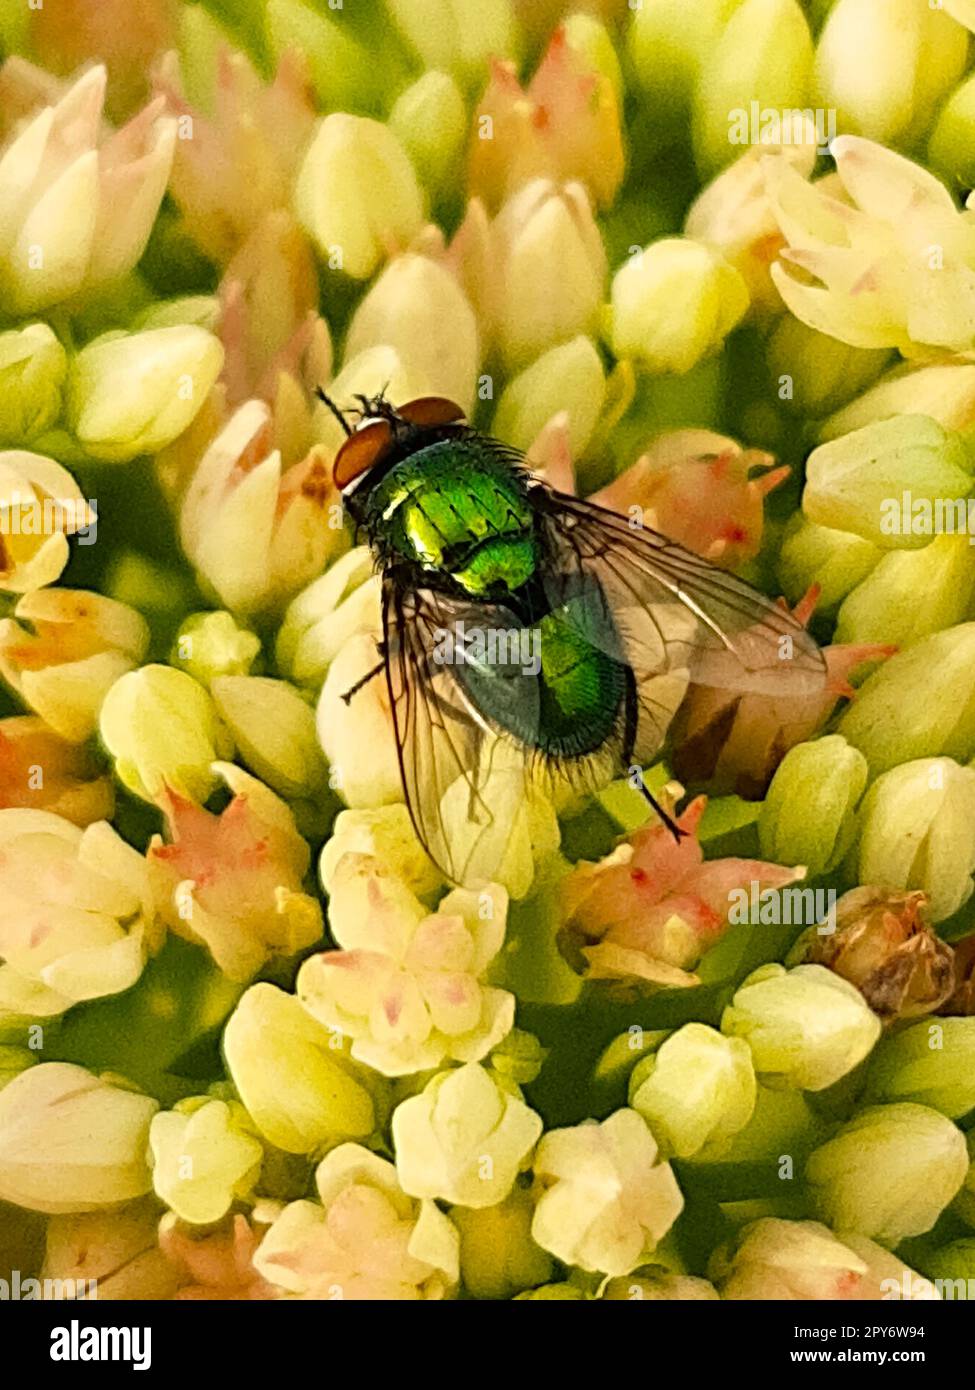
x=334, y=409
x=668, y=820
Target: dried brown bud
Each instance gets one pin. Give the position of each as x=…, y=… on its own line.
x=883, y=945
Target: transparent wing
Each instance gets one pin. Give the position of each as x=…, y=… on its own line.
x=465, y=780
x=674, y=619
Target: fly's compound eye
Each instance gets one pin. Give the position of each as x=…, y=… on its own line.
x=361, y=451
x=427, y=412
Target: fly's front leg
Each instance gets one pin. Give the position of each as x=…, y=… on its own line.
x=371, y=674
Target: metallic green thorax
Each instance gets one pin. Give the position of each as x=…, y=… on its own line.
x=458, y=508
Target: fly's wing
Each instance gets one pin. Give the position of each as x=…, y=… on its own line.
x=466, y=782
x=674, y=619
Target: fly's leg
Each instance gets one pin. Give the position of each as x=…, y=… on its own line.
x=371, y=674
x=668, y=821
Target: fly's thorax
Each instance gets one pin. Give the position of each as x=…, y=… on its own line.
x=460, y=508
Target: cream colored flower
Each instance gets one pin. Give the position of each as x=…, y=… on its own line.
x=605, y=1201
x=79, y=920
x=205, y=1155
x=464, y=1139
x=233, y=881
x=62, y=651
x=802, y=1260
x=890, y=264
x=406, y=985
x=363, y=1239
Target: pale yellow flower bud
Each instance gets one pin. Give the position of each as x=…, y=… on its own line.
x=295, y=1076
x=343, y=602
x=458, y=36
x=548, y=272
x=808, y=813
x=658, y=1285
x=763, y=57
x=79, y=209
x=929, y=1063
x=497, y=1254
x=917, y=830
x=209, y=645
x=806, y=1027
x=696, y=1091
x=463, y=1139
x=62, y=651
x=675, y=303
x=162, y=729
x=72, y=1142
x=889, y=1173
x=386, y=833
x=916, y=56
x=671, y=44
x=274, y=731
x=814, y=373
x=131, y=394
x=605, y=1200
x=33, y=366
x=356, y=735
x=430, y=119
x=835, y=561
x=910, y=594
x=568, y=378
x=417, y=308
x=917, y=704
x=357, y=194
x=944, y=391
x=204, y=1156
x=857, y=483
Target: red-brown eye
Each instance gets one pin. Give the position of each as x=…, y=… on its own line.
x=361, y=451
x=430, y=411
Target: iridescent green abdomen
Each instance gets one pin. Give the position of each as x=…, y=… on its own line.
x=456, y=507
x=551, y=688
x=582, y=689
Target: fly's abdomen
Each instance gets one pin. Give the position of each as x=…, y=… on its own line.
x=548, y=686
x=581, y=691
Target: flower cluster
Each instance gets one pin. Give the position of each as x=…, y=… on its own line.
x=702, y=266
